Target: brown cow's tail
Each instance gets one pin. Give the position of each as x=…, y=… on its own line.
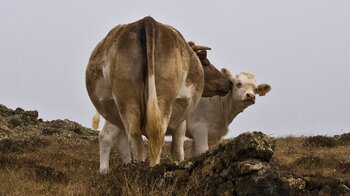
x=154, y=126
x=95, y=121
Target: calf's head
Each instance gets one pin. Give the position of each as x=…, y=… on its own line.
x=215, y=82
x=245, y=88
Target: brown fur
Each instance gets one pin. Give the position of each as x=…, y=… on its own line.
x=212, y=85
x=154, y=129
x=134, y=76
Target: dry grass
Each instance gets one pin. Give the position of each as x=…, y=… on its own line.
x=295, y=154
x=42, y=158
x=72, y=169
x=49, y=170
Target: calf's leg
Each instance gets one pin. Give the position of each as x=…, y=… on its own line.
x=123, y=146
x=200, y=142
x=106, y=141
x=177, y=144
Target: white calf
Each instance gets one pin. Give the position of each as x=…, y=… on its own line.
x=209, y=122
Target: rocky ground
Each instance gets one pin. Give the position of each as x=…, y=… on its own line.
x=60, y=157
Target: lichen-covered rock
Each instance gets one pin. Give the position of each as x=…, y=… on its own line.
x=236, y=167
x=240, y=163
x=15, y=121
x=296, y=183
x=320, y=185
x=254, y=145
x=4, y=111
x=263, y=182
x=246, y=167
x=249, y=145
x=25, y=124
x=19, y=117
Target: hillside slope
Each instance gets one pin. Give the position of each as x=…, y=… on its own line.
x=61, y=157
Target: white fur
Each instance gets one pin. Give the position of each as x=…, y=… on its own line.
x=178, y=135
x=109, y=136
x=209, y=122
x=185, y=92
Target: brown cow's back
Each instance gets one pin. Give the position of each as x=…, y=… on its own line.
x=134, y=77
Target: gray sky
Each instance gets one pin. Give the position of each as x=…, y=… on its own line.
x=301, y=48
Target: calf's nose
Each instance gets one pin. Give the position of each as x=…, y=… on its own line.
x=250, y=96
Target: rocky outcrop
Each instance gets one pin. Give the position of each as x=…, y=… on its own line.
x=235, y=167
x=23, y=124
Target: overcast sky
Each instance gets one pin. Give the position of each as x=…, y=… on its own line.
x=301, y=48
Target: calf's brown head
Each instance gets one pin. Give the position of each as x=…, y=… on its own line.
x=215, y=82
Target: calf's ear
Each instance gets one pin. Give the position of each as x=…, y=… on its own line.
x=227, y=73
x=263, y=89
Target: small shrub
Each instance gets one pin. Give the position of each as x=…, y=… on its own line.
x=320, y=141
x=343, y=139
x=49, y=174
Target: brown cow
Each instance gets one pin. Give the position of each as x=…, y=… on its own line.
x=143, y=78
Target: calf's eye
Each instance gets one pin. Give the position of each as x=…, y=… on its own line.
x=239, y=84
